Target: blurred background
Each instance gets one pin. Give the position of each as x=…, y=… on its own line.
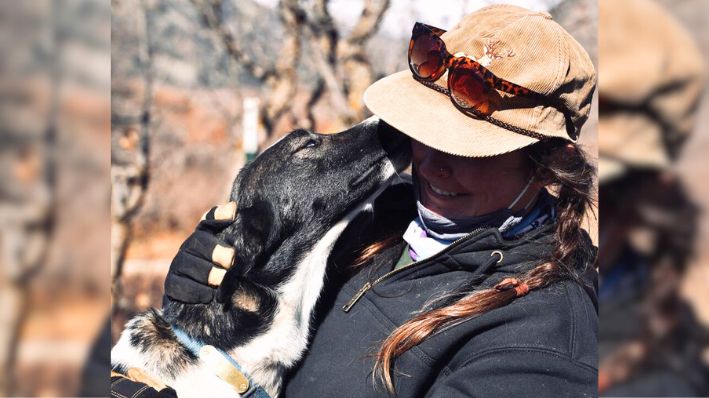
x=693, y=164
x=654, y=196
x=54, y=191
x=189, y=90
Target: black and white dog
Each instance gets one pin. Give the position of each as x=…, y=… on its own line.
x=294, y=201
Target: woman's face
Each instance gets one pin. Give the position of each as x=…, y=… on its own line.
x=457, y=186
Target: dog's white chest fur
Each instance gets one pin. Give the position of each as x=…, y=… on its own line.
x=286, y=339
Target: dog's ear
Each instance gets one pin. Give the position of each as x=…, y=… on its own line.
x=250, y=236
x=254, y=225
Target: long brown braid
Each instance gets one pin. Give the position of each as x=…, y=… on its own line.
x=566, y=170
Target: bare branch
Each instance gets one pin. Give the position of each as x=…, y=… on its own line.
x=323, y=27
x=281, y=80
x=369, y=21
x=283, y=85
x=210, y=10
x=358, y=72
x=324, y=37
x=315, y=96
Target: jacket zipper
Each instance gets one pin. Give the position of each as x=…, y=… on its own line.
x=367, y=286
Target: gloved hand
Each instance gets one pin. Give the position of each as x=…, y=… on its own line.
x=201, y=263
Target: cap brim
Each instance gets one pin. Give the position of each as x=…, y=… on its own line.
x=430, y=118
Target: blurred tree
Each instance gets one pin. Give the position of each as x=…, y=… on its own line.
x=28, y=121
x=130, y=159
x=26, y=213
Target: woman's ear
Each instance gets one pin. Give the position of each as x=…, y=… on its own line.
x=541, y=175
x=542, y=157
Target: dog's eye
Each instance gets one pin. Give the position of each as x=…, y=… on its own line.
x=311, y=143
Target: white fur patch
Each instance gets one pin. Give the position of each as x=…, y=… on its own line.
x=124, y=353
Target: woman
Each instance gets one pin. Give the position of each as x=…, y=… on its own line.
x=476, y=281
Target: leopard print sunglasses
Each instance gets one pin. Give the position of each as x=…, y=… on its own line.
x=471, y=86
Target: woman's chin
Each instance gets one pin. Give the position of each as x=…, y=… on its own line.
x=449, y=207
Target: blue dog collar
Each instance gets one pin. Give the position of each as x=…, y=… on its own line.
x=235, y=376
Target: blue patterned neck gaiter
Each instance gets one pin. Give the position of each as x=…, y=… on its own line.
x=430, y=233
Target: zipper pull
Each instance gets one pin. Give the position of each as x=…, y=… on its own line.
x=356, y=297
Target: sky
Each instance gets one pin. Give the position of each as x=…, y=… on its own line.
x=441, y=13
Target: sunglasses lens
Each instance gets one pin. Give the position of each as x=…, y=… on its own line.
x=425, y=56
x=468, y=89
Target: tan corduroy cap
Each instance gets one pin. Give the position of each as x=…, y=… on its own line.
x=522, y=46
x=651, y=73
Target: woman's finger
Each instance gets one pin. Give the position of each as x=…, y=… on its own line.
x=205, y=245
x=218, y=217
x=216, y=276
x=223, y=256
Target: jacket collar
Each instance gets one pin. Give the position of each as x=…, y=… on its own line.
x=487, y=258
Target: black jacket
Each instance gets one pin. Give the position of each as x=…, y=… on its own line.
x=540, y=345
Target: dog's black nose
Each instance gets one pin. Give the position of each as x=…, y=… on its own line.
x=396, y=145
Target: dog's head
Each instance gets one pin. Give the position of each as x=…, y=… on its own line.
x=305, y=183
x=288, y=198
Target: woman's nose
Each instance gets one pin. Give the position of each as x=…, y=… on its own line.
x=443, y=172
x=434, y=165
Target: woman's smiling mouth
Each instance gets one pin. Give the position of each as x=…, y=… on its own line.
x=442, y=192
